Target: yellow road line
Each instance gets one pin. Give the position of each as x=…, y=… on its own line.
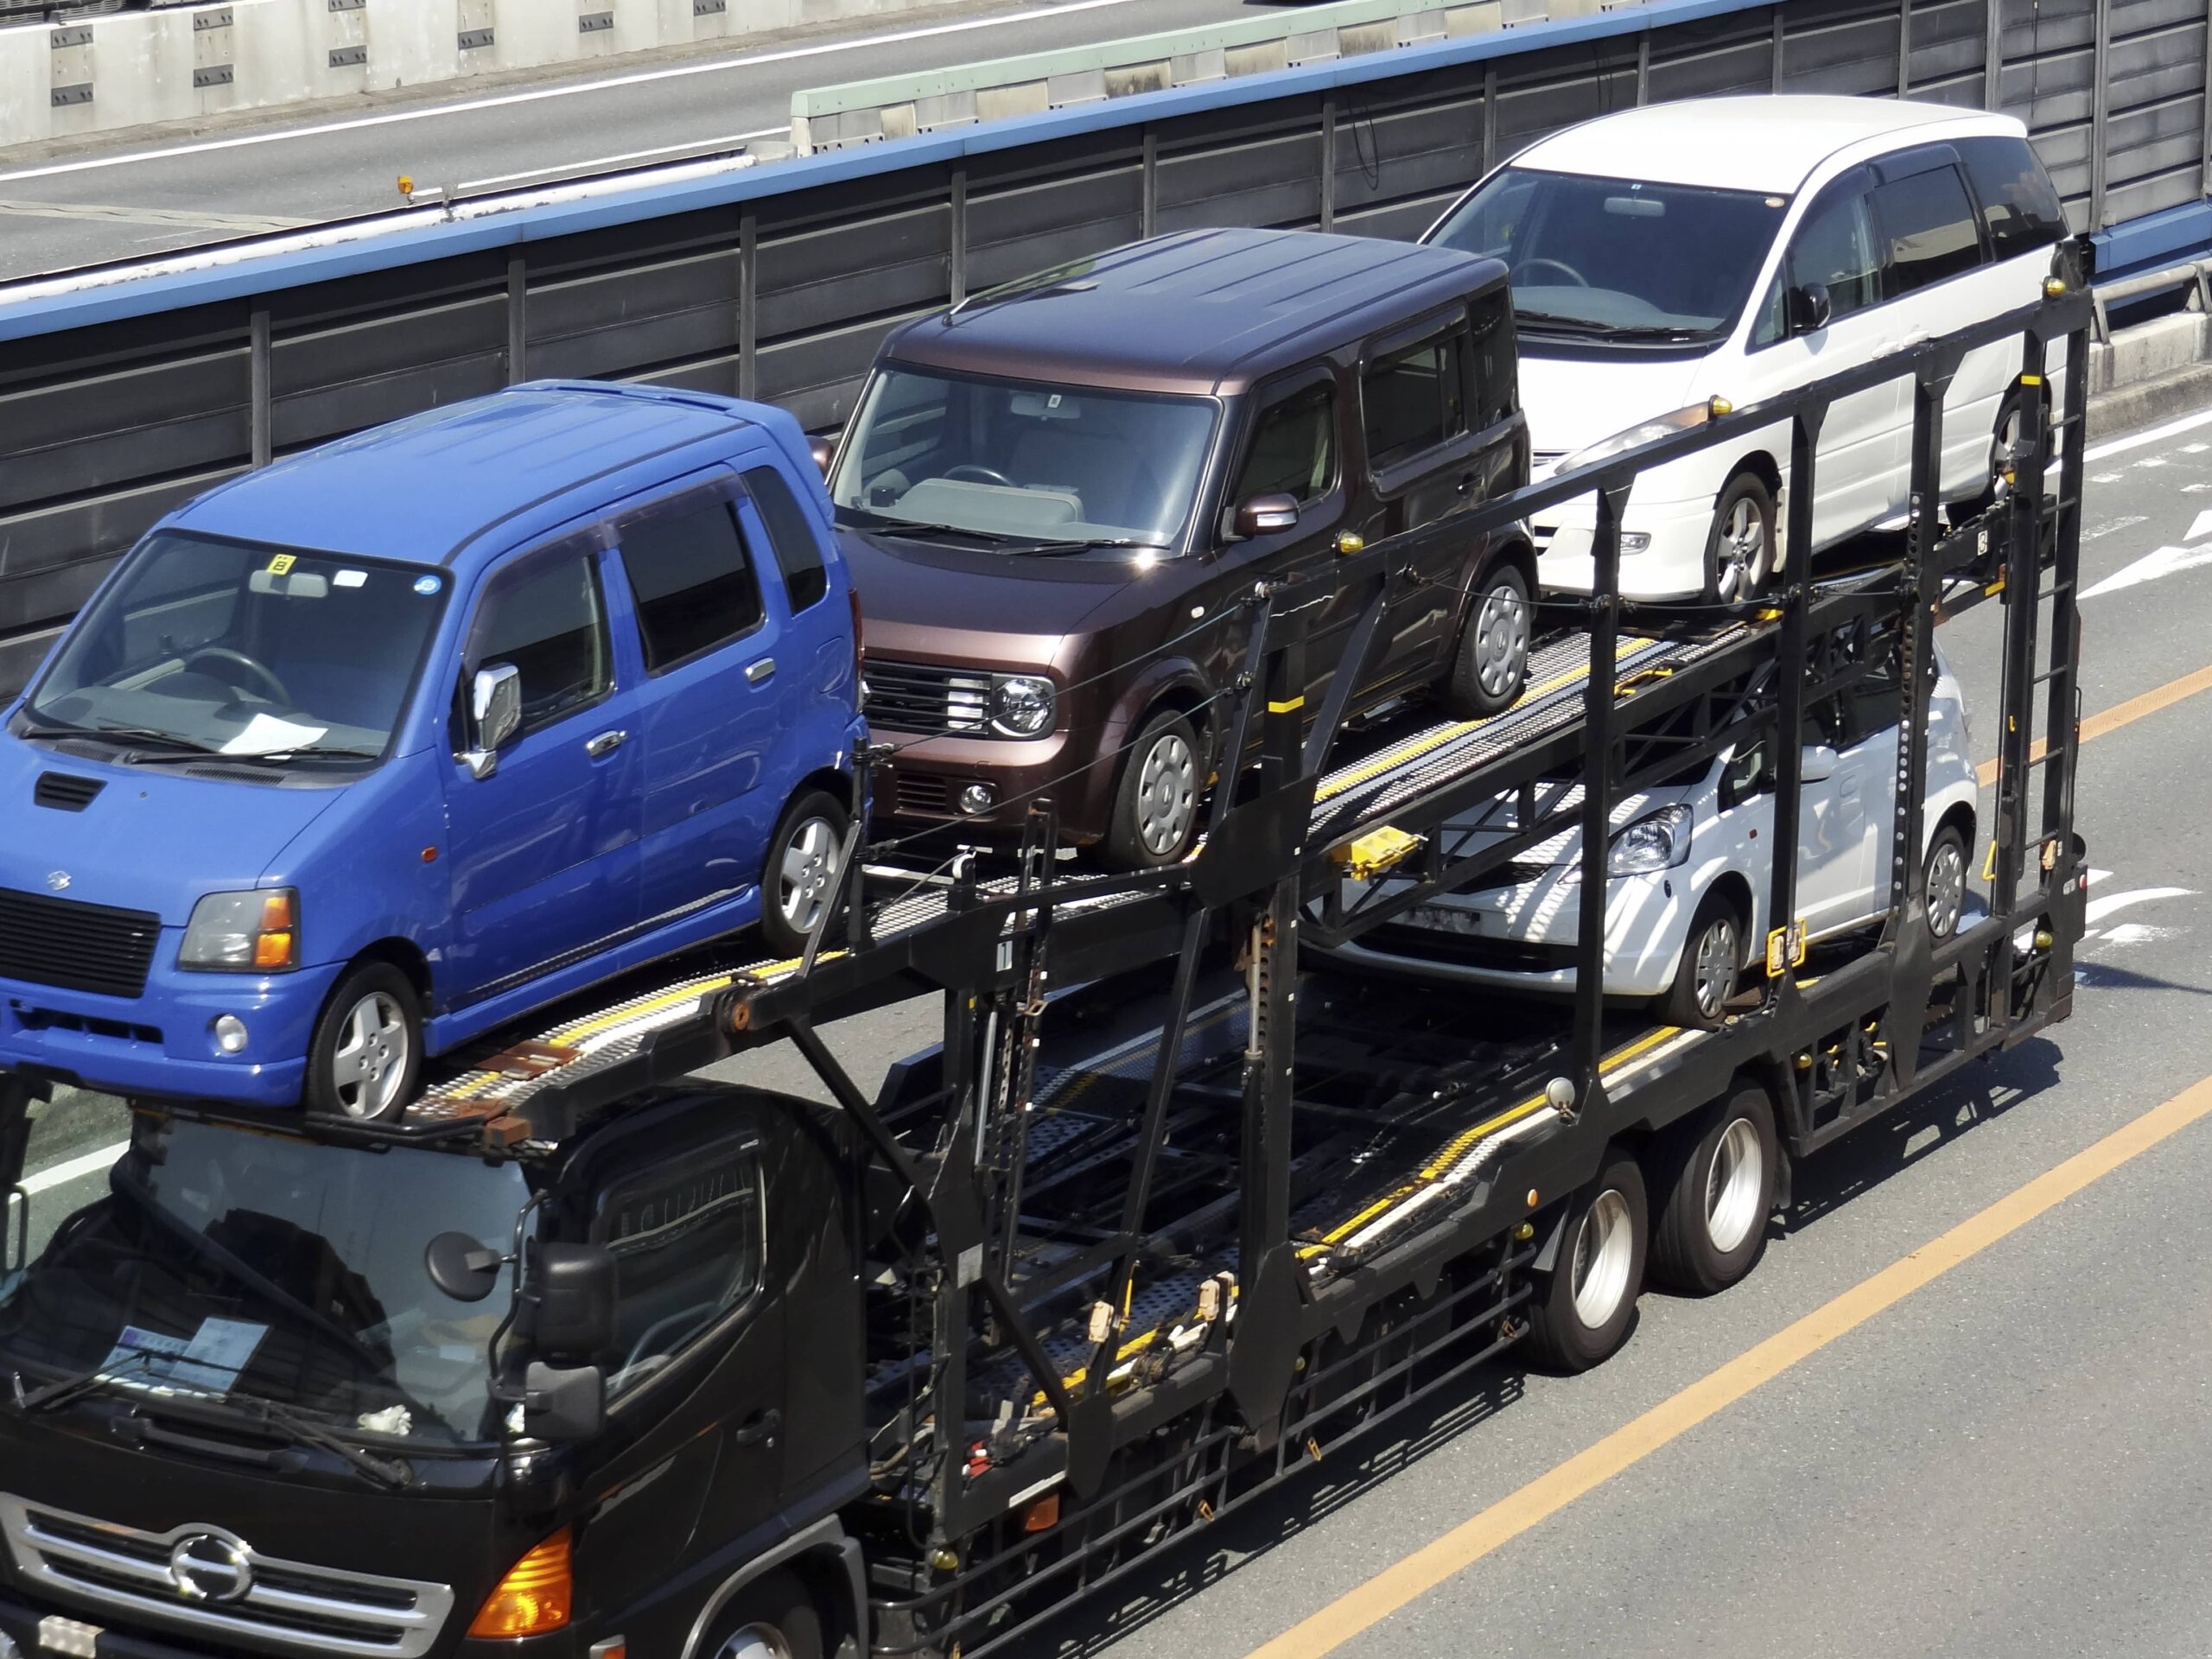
x=1414, y=1576
x=2122, y=714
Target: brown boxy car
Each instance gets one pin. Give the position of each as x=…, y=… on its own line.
x=1054, y=495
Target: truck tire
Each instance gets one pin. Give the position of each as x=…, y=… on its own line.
x=366, y=1053
x=1156, y=806
x=1583, y=1308
x=1489, y=664
x=1740, y=548
x=1711, y=961
x=800, y=871
x=1718, y=1179
x=772, y=1617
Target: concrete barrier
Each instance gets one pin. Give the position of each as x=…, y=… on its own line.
x=186, y=63
x=865, y=111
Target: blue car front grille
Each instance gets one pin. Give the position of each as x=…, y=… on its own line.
x=76, y=946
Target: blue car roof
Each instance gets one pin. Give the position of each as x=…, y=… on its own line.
x=430, y=490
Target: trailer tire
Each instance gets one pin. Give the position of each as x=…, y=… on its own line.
x=1583, y=1308
x=772, y=1617
x=1716, y=1176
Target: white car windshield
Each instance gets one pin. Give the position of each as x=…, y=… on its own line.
x=1617, y=259
x=1029, y=465
x=203, y=644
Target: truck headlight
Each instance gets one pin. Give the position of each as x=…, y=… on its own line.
x=1021, y=705
x=1660, y=841
x=256, y=933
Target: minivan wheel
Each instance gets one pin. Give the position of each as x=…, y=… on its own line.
x=1704, y=978
x=367, y=1051
x=1491, y=664
x=799, y=876
x=1156, y=808
x=1740, y=548
x=771, y=1617
x=1946, y=882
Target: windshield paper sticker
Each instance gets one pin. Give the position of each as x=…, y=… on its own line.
x=282, y=563
x=218, y=1351
x=349, y=578
x=267, y=734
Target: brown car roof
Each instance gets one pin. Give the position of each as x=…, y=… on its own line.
x=1202, y=311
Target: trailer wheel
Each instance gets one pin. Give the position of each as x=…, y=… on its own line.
x=772, y=1617
x=1718, y=1185
x=1581, y=1316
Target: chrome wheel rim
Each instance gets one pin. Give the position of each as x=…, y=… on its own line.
x=2000, y=446
x=1167, y=794
x=1601, y=1248
x=1732, y=1186
x=1501, y=639
x=1742, y=549
x=1947, y=888
x=808, y=871
x=1714, y=972
x=754, y=1642
x=373, y=1049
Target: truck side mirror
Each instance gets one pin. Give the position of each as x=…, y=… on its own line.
x=562, y=1404
x=571, y=1287
x=461, y=1267
x=1816, y=763
x=494, y=715
x=1266, y=515
x=1808, y=308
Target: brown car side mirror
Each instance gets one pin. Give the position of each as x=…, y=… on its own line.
x=1266, y=515
x=824, y=453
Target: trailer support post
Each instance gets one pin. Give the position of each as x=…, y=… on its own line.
x=1598, y=779
x=2023, y=579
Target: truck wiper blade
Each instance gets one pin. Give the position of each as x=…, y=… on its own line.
x=64, y=1390
x=305, y=1430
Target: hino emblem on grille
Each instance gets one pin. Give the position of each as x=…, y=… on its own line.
x=207, y=1567
x=58, y=880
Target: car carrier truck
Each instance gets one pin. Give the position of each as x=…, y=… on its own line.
x=579, y=1355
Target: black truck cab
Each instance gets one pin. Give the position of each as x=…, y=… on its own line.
x=338, y=1417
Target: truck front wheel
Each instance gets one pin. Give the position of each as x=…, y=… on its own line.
x=772, y=1617
x=1580, y=1315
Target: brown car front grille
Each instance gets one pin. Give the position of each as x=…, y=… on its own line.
x=927, y=698
x=925, y=794
x=75, y=946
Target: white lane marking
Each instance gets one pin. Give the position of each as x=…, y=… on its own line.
x=501, y=100
x=2155, y=435
x=2152, y=460
x=76, y=1169
x=2107, y=477
x=2199, y=526
x=703, y=148
x=2099, y=908
x=162, y=216
x=2128, y=523
x=2138, y=934
x=2195, y=448
x=2164, y=562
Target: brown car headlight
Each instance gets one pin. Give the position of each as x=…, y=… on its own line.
x=1021, y=705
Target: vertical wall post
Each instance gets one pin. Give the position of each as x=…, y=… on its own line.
x=1777, y=49
x=2100, y=114
x=1644, y=68
x=1329, y=162
x=2204, y=166
x=748, y=291
x=259, y=394
x=517, y=318
x=1489, y=117
x=959, y=234
x=1993, y=54
x=1149, y=209
x=1904, y=47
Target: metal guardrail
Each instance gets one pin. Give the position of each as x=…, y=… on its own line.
x=2196, y=276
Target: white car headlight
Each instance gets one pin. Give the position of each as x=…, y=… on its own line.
x=1663, y=426
x=1660, y=841
x=1021, y=705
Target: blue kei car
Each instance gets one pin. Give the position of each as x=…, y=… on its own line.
x=360, y=756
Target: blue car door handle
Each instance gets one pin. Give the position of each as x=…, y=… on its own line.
x=756, y=672
x=605, y=743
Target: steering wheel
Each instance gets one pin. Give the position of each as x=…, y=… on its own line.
x=260, y=671
x=1580, y=281
x=988, y=474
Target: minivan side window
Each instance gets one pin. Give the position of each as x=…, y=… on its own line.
x=545, y=617
x=692, y=579
x=1835, y=248
x=1415, y=399
x=2020, y=208
x=1928, y=226
x=795, y=541
x=1293, y=448
x=689, y=1239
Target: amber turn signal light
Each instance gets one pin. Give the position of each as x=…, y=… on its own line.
x=534, y=1597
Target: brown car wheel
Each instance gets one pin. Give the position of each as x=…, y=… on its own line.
x=1156, y=808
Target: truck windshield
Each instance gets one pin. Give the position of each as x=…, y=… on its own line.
x=244, y=650
x=1617, y=259
x=1024, y=464
x=225, y=1263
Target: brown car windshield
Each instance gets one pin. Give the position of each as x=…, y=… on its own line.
x=1029, y=465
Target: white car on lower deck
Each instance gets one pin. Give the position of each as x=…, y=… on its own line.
x=1692, y=870
x=1738, y=248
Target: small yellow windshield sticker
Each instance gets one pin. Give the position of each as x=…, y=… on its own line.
x=282, y=563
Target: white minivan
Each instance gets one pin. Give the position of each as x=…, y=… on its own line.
x=1737, y=248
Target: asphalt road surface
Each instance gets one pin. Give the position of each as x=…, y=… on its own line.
x=1894, y=1438
x=148, y=191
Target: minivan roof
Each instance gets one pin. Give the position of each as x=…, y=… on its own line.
x=426, y=490
x=1770, y=142
x=1200, y=311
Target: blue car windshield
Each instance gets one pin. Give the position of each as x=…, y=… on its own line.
x=1617, y=259
x=244, y=649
